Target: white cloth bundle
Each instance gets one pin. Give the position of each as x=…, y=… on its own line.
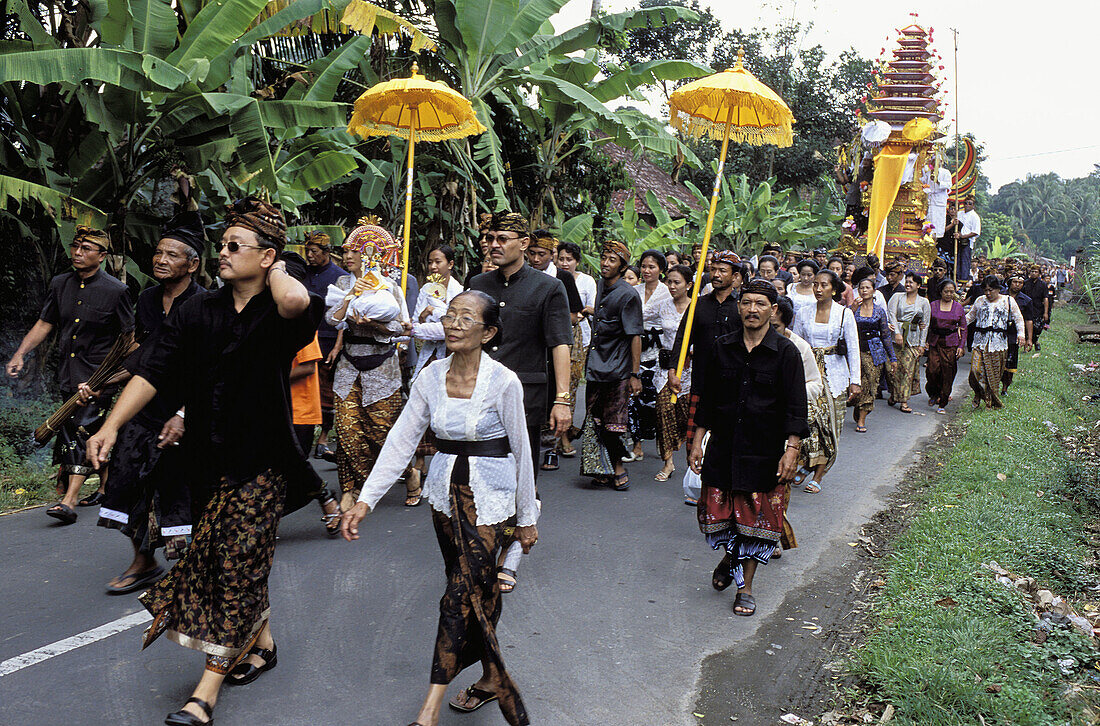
x=379, y=305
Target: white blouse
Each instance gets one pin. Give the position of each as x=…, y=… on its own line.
x=809, y=367
x=586, y=288
x=995, y=315
x=431, y=330
x=670, y=322
x=502, y=486
x=651, y=313
x=840, y=371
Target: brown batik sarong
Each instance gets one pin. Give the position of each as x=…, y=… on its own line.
x=869, y=375
x=943, y=366
x=606, y=421
x=471, y=605
x=986, y=369
x=672, y=421
x=361, y=431
x=215, y=599
x=826, y=419
x=901, y=382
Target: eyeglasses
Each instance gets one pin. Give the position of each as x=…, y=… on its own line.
x=490, y=238
x=235, y=247
x=459, y=323
x=75, y=246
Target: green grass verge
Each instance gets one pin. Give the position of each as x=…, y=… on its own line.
x=971, y=659
x=25, y=474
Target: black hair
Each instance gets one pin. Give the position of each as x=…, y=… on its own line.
x=679, y=256
x=572, y=248
x=782, y=281
x=633, y=268
x=786, y=310
x=835, y=281
x=991, y=281
x=446, y=249
x=658, y=259
x=831, y=260
x=861, y=274
x=490, y=314
x=685, y=272
x=768, y=258
x=807, y=263
x=914, y=276
x=946, y=282
x=771, y=246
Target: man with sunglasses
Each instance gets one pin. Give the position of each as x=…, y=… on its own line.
x=89, y=309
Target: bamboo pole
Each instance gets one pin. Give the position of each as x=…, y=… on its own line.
x=408, y=204
x=955, y=32
x=706, y=243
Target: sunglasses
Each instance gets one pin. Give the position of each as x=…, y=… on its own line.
x=235, y=247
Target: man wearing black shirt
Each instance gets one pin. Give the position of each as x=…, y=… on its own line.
x=226, y=356
x=895, y=281
x=90, y=310
x=936, y=280
x=611, y=373
x=1036, y=289
x=321, y=272
x=753, y=403
x=146, y=497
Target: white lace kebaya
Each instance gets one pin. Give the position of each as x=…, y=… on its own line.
x=502, y=486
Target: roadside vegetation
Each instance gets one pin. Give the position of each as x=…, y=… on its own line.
x=25, y=474
x=948, y=643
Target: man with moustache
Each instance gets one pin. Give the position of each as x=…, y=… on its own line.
x=147, y=497
x=89, y=309
x=753, y=404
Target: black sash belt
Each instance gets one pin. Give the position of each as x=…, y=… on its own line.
x=491, y=448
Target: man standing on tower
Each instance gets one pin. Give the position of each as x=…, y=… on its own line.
x=970, y=228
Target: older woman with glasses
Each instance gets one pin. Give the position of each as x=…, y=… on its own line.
x=482, y=476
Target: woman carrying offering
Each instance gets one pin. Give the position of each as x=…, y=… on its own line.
x=991, y=315
x=643, y=407
x=946, y=345
x=909, y=314
x=672, y=417
x=874, y=344
x=481, y=477
x=830, y=328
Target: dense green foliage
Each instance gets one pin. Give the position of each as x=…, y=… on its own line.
x=1053, y=216
x=951, y=645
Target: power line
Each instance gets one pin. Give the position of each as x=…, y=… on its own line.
x=1042, y=153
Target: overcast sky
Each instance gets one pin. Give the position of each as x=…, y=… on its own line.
x=1027, y=70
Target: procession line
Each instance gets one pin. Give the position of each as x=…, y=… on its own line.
x=19, y=662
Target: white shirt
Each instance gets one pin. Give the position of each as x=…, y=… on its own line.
x=814, y=383
x=502, y=486
x=938, y=190
x=971, y=223
x=586, y=287
x=840, y=371
x=995, y=315
x=670, y=323
x=651, y=313
x=431, y=330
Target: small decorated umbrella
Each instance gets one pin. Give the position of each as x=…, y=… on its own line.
x=734, y=105
x=418, y=110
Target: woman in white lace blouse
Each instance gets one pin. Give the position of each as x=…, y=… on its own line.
x=991, y=315
x=481, y=478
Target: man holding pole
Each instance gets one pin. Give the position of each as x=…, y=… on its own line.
x=970, y=229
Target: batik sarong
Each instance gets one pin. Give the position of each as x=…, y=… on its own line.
x=943, y=366
x=471, y=605
x=869, y=376
x=643, y=407
x=578, y=354
x=826, y=420
x=672, y=421
x=146, y=496
x=986, y=369
x=747, y=525
x=901, y=382
x=605, y=423
x=215, y=600
x=69, y=448
x=361, y=431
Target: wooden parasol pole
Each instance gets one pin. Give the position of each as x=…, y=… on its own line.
x=706, y=243
x=955, y=32
x=413, y=122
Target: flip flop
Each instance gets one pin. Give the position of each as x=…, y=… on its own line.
x=482, y=697
x=621, y=482
x=62, y=512
x=568, y=454
x=722, y=578
x=91, y=500
x=861, y=429
x=508, y=579
x=140, y=581
x=744, y=601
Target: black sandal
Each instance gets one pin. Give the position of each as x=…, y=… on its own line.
x=550, y=461
x=91, y=500
x=186, y=718
x=722, y=577
x=473, y=692
x=141, y=580
x=621, y=482
x=245, y=672
x=331, y=520
x=744, y=601
x=508, y=579
x=62, y=512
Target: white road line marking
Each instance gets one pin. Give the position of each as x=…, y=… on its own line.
x=19, y=662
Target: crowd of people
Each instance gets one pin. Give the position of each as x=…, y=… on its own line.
x=466, y=390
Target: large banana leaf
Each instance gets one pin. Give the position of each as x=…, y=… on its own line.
x=627, y=79
x=367, y=18
x=61, y=207
x=487, y=151
x=30, y=25
x=283, y=17
x=124, y=68
x=303, y=114
x=327, y=72
x=154, y=27
x=215, y=29
x=489, y=27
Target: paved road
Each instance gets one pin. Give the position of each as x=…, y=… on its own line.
x=612, y=619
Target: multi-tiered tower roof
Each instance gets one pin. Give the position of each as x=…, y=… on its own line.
x=907, y=87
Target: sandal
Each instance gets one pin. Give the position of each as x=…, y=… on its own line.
x=331, y=519
x=905, y=408
x=507, y=578
x=941, y=409
x=139, y=580
x=691, y=502
x=663, y=475
x=745, y=602
x=413, y=500
x=482, y=697
x=861, y=429
x=62, y=512
x=722, y=577
x=621, y=482
x=246, y=672
x=91, y=500
x=550, y=461
x=812, y=487
x=567, y=453
x=186, y=718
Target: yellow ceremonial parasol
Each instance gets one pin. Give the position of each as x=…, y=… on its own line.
x=734, y=105
x=416, y=109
